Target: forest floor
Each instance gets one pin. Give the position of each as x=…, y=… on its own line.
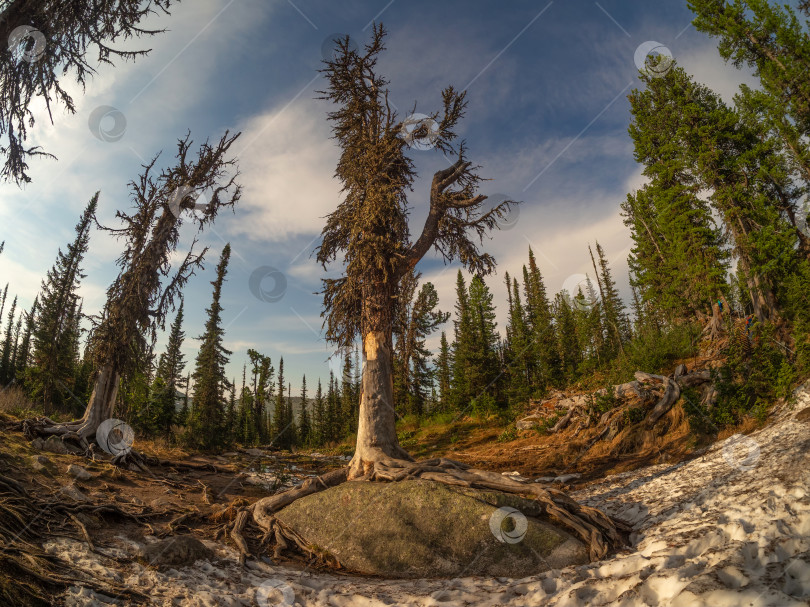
x=709, y=527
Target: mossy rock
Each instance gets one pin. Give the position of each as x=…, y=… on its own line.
x=420, y=528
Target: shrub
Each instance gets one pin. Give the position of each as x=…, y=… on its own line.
x=754, y=376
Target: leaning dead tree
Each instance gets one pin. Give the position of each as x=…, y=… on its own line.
x=369, y=233
x=41, y=40
x=146, y=287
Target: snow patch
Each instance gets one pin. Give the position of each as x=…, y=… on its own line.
x=723, y=530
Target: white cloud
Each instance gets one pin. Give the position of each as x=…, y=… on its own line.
x=287, y=172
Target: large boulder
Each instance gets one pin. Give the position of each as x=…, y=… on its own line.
x=420, y=528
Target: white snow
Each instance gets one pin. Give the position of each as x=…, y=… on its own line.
x=728, y=529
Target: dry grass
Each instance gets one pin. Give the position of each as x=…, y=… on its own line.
x=160, y=448
x=13, y=402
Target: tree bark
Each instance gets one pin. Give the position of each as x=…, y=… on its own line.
x=99, y=408
x=376, y=429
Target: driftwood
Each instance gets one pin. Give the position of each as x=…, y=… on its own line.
x=673, y=386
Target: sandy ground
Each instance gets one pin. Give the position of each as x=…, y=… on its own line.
x=730, y=528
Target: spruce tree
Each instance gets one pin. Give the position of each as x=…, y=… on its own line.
x=207, y=418
x=3, y=303
x=674, y=117
x=319, y=420
x=23, y=358
x=567, y=342
x=462, y=351
x=543, y=350
x=518, y=361
x=172, y=362
x=262, y=371
x=484, y=367
x=247, y=420
x=231, y=425
x=305, y=431
x=289, y=419
x=16, y=336
x=616, y=324
x=769, y=39
x=443, y=372
x=281, y=435
x=53, y=366
x=8, y=345
x=348, y=404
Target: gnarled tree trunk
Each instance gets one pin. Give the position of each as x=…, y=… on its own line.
x=376, y=429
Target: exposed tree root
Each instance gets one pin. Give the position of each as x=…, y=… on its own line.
x=599, y=532
x=78, y=432
x=673, y=386
x=28, y=574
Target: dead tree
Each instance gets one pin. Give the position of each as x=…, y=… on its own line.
x=369, y=234
x=145, y=289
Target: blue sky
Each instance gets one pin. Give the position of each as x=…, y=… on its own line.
x=547, y=121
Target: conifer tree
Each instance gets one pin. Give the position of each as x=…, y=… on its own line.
x=567, y=341
x=171, y=363
x=280, y=411
x=23, y=359
x=517, y=352
x=617, y=327
x=289, y=419
x=3, y=303
x=415, y=319
x=185, y=409
x=319, y=421
x=12, y=365
x=262, y=371
x=53, y=366
x=484, y=366
x=8, y=345
x=462, y=350
x=768, y=38
x=348, y=404
x=674, y=117
x=231, y=426
x=369, y=231
x=247, y=423
x=678, y=262
x=443, y=373
x=208, y=415
x=305, y=431
x=543, y=347
x=333, y=421
x=146, y=286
